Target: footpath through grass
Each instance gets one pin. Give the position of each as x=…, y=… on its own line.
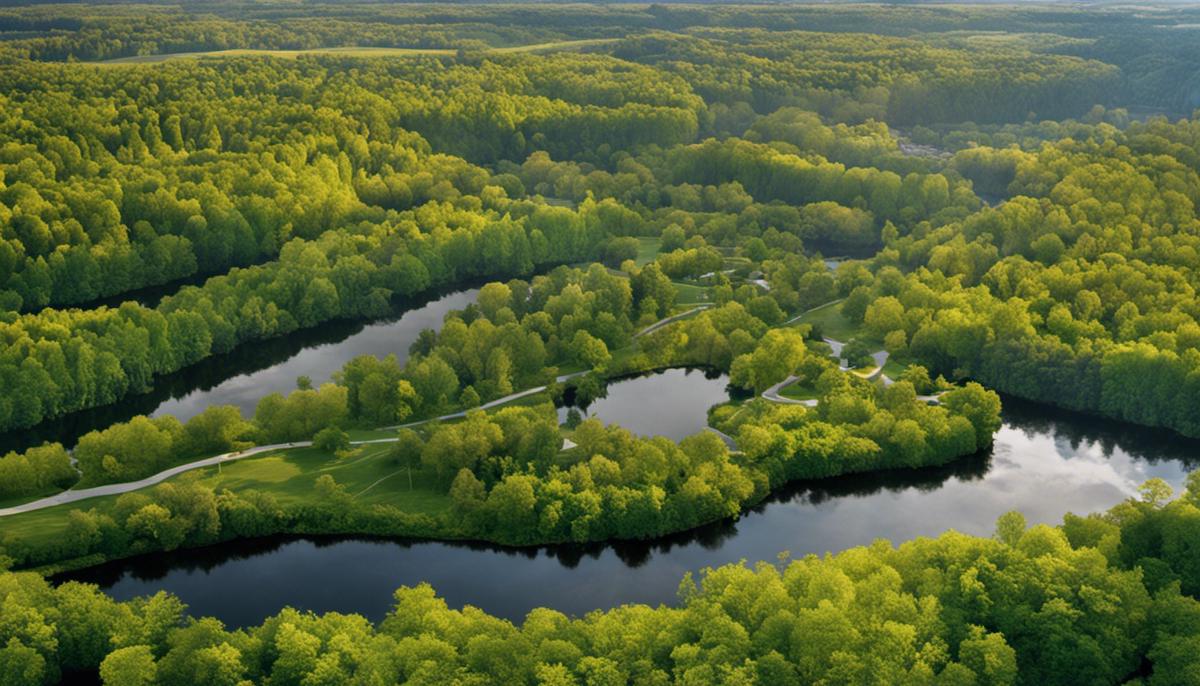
x=367, y=474
x=799, y=391
x=831, y=323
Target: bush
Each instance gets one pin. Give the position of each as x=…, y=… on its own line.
x=331, y=439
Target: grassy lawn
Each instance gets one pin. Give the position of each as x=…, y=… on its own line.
x=289, y=475
x=648, y=249
x=799, y=391
x=829, y=320
x=353, y=52
x=895, y=367
x=690, y=295
x=366, y=473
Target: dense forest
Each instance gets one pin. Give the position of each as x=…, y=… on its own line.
x=1083, y=603
x=874, y=221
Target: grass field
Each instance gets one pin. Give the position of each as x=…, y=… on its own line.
x=648, y=249
x=831, y=323
x=367, y=474
x=895, y=367
x=798, y=391
x=690, y=295
x=353, y=52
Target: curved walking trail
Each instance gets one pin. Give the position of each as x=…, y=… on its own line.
x=671, y=320
x=486, y=406
x=880, y=357
x=772, y=394
x=71, y=496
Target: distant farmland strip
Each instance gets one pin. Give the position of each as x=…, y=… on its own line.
x=353, y=52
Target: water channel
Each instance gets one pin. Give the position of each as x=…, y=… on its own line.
x=251, y=371
x=1045, y=463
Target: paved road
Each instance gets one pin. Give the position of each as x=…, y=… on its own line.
x=772, y=394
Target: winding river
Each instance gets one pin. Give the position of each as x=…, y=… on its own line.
x=251, y=371
x=1044, y=462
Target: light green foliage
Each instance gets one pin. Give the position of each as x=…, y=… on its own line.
x=776, y=357
x=131, y=666
x=1036, y=607
x=1051, y=260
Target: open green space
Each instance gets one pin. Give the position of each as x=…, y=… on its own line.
x=690, y=295
x=799, y=391
x=648, y=249
x=896, y=365
x=829, y=320
x=353, y=51
x=366, y=472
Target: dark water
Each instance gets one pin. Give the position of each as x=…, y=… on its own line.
x=1044, y=463
x=672, y=403
x=147, y=296
x=244, y=375
x=318, y=359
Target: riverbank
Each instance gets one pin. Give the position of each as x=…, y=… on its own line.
x=1044, y=463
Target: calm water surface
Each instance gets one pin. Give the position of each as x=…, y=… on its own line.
x=1044, y=463
x=318, y=360
x=249, y=372
x=672, y=403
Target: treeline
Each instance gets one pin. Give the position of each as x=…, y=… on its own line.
x=733, y=190
x=506, y=474
x=112, y=180
x=60, y=361
x=859, y=76
x=922, y=66
x=1079, y=291
x=42, y=34
x=513, y=338
x=858, y=428
x=1092, y=601
x=39, y=470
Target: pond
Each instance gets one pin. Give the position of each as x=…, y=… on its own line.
x=672, y=403
x=1044, y=463
x=246, y=374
